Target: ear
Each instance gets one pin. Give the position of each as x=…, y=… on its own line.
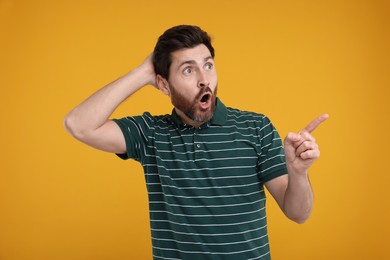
x=163, y=85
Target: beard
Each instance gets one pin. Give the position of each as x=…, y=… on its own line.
x=192, y=108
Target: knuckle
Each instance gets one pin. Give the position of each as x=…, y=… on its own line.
x=290, y=135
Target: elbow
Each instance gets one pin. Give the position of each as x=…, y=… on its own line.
x=298, y=216
x=68, y=124
x=299, y=219
x=72, y=128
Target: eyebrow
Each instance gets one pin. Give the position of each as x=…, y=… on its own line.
x=193, y=61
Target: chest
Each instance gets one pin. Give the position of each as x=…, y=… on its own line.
x=204, y=163
x=207, y=151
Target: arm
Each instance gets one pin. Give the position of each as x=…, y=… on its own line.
x=89, y=123
x=293, y=194
x=293, y=191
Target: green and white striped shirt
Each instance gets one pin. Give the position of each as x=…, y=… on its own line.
x=205, y=185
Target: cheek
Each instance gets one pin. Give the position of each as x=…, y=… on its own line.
x=185, y=87
x=213, y=79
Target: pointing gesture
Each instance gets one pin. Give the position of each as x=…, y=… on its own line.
x=315, y=123
x=301, y=149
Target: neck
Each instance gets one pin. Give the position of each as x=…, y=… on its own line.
x=188, y=121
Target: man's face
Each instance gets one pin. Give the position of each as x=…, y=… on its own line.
x=193, y=84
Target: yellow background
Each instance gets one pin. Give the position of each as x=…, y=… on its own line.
x=291, y=60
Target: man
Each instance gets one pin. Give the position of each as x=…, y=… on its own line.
x=206, y=164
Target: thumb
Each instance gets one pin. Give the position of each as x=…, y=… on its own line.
x=291, y=139
x=289, y=145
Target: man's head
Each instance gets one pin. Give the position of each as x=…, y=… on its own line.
x=176, y=38
x=184, y=64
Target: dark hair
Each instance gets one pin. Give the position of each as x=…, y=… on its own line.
x=176, y=38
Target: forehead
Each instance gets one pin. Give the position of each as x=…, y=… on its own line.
x=197, y=54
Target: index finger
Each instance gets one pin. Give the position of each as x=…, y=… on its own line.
x=315, y=123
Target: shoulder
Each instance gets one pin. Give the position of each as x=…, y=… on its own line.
x=239, y=116
x=157, y=119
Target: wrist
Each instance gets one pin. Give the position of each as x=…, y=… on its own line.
x=297, y=172
x=141, y=76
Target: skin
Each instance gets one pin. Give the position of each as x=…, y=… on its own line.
x=293, y=191
x=192, y=74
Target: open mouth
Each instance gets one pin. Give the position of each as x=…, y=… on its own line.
x=205, y=101
x=205, y=98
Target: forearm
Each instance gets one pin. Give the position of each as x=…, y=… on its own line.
x=95, y=111
x=301, y=151
x=298, y=199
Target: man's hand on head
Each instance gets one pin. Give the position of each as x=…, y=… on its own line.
x=149, y=72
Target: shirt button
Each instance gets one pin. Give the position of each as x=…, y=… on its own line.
x=198, y=145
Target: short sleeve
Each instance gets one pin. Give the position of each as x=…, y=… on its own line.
x=136, y=131
x=272, y=161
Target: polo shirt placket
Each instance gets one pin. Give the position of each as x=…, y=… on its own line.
x=198, y=145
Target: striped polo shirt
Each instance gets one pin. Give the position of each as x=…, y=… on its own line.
x=205, y=185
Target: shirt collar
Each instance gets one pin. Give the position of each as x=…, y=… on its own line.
x=219, y=116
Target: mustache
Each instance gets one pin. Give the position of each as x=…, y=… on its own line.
x=202, y=91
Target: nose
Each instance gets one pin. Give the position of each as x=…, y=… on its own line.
x=203, y=80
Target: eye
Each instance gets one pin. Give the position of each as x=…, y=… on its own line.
x=187, y=71
x=208, y=66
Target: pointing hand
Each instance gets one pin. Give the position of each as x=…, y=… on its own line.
x=301, y=149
